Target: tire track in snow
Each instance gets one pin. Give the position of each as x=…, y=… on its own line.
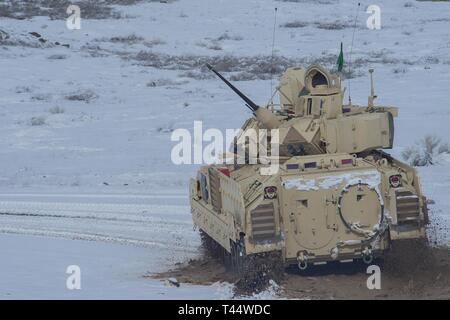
x=91, y=237
x=76, y=215
x=101, y=211
x=148, y=221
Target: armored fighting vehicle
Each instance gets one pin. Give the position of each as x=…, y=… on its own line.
x=329, y=193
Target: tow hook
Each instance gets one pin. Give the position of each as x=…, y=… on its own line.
x=302, y=261
x=367, y=255
x=334, y=253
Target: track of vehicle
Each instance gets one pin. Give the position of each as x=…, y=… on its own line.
x=161, y=221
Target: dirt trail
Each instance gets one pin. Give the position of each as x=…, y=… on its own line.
x=410, y=270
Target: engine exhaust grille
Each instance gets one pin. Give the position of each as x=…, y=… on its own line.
x=263, y=222
x=408, y=206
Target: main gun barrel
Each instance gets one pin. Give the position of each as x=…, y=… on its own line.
x=249, y=103
x=267, y=118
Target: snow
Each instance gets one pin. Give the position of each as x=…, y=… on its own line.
x=301, y=184
x=369, y=177
x=108, y=271
x=140, y=220
x=94, y=178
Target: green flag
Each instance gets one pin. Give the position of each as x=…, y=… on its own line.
x=340, y=60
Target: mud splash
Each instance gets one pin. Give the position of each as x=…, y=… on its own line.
x=410, y=270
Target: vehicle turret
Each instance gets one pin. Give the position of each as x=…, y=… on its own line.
x=312, y=118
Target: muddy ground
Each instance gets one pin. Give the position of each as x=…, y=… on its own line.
x=410, y=270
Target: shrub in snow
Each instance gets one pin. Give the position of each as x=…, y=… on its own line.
x=430, y=60
x=425, y=152
x=37, y=121
x=41, y=97
x=213, y=45
x=56, y=110
x=294, y=24
x=130, y=39
x=154, y=42
x=3, y=34
x=253, y=67
x=399, y=70
x=57, y=57
x=312, y=1
x=56, y=9
x=197, y=75
x=167, y=128
x=85, y=95
x=23, y=89
x=226, y=36
x=165, y=82
x=334, y=25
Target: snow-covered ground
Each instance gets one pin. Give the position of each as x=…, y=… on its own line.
x=35, y=268
x=85, y=131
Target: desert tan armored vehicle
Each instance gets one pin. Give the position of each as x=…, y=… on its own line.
x=331, y=194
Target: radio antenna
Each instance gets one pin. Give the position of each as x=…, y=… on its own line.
x=350, y=55
x=272, y=57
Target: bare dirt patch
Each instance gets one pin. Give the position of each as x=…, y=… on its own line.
x=410, y=270
x=203, y=271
